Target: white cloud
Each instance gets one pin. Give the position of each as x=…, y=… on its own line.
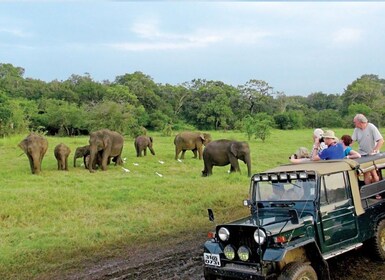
x=346, y=36
x=150, y=37
x=15, y=32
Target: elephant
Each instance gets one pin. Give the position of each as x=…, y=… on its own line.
x=223, y=152
x=82, y=151
x=34, y=146
x=61, y=153
x=191, y=141
x=109, y=143
x=142, y=143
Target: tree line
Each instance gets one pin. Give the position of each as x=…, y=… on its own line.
x=134, y=102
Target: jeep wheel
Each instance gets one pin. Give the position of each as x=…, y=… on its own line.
x=298, y=271
x=378, y=242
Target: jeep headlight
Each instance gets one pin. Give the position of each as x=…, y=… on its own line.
x=259, y=236
x=223, y=234
x=229, y=252
x=243, y=253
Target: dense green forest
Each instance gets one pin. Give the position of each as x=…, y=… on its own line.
x=134, y=102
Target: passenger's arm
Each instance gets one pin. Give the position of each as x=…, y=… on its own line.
x=353, y=154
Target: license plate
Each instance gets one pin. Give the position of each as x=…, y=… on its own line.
x=212, y=259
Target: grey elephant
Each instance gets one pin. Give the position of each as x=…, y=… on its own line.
x=62, y=153
x=34, y=146
x=223, y=152
x=82, y=151
x=109, y=143
x=141, y=144
x=193, y=141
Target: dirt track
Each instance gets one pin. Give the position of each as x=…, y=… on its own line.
x=184, y=261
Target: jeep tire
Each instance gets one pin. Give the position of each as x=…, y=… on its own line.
x=378, y=241
x=298, y=271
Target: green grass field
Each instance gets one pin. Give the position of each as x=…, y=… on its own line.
x=57, y=220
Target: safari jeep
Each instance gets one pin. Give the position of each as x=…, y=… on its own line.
x=301, y=215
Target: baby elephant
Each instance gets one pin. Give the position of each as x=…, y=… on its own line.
x=141, y=144
x=83, y=152
x=61, y=154
x=223, y=152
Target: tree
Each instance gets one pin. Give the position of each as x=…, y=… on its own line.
x=257, y=94
x=248, y=126
x=368, y=90
x=262, y=130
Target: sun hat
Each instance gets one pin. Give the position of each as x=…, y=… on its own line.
x=329, y=134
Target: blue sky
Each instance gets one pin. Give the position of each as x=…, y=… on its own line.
x=297, y=47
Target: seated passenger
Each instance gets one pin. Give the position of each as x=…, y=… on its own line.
x=278, y=192
x=301, y=155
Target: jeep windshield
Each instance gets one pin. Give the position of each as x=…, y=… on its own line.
x=295, y=186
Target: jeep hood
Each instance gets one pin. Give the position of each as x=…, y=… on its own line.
x=272, y=225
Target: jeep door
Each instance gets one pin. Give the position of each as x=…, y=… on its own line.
x=337, y=224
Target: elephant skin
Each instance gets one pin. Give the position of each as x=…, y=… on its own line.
x=34, y=146
x=62, y=153
x=109, y=143
x=191, y=141
x=223, y=152
x=142, y=143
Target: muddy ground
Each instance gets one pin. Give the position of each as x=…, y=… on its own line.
x=183, y=260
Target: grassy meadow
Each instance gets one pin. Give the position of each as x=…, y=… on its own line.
x=55, y=221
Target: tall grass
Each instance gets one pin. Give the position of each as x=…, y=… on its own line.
x=56, y=220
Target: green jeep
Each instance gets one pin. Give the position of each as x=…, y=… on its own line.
x=301, y=215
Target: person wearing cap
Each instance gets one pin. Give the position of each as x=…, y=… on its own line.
x=317, y=134
x=367, y=135
x=334, y=150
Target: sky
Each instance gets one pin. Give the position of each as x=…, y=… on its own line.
x=298, y=48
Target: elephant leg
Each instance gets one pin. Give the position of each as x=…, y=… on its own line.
x=183, y=152
x=234, y=165
x=145, y=152
x=177, y=152
x=208, y=169
x=200, y=152
x=85, y=162
x=195, y=153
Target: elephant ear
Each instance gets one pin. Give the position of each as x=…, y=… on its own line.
x=201, y=136
x=106, y=141
x=234, y=149
x=150, y=139
x=23, y=145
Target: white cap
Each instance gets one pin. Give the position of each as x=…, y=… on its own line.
x=318, y=132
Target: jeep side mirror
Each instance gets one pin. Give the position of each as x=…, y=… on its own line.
x=211, y=214
x=246, y=203
x=294, y=216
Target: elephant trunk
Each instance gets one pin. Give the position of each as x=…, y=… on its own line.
x=36, y=165
x=248, y=163
x=93, y=154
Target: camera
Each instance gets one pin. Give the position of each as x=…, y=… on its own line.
x=321, y=139
x=295, y=156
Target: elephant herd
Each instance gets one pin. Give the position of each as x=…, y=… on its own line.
x=106, y=145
